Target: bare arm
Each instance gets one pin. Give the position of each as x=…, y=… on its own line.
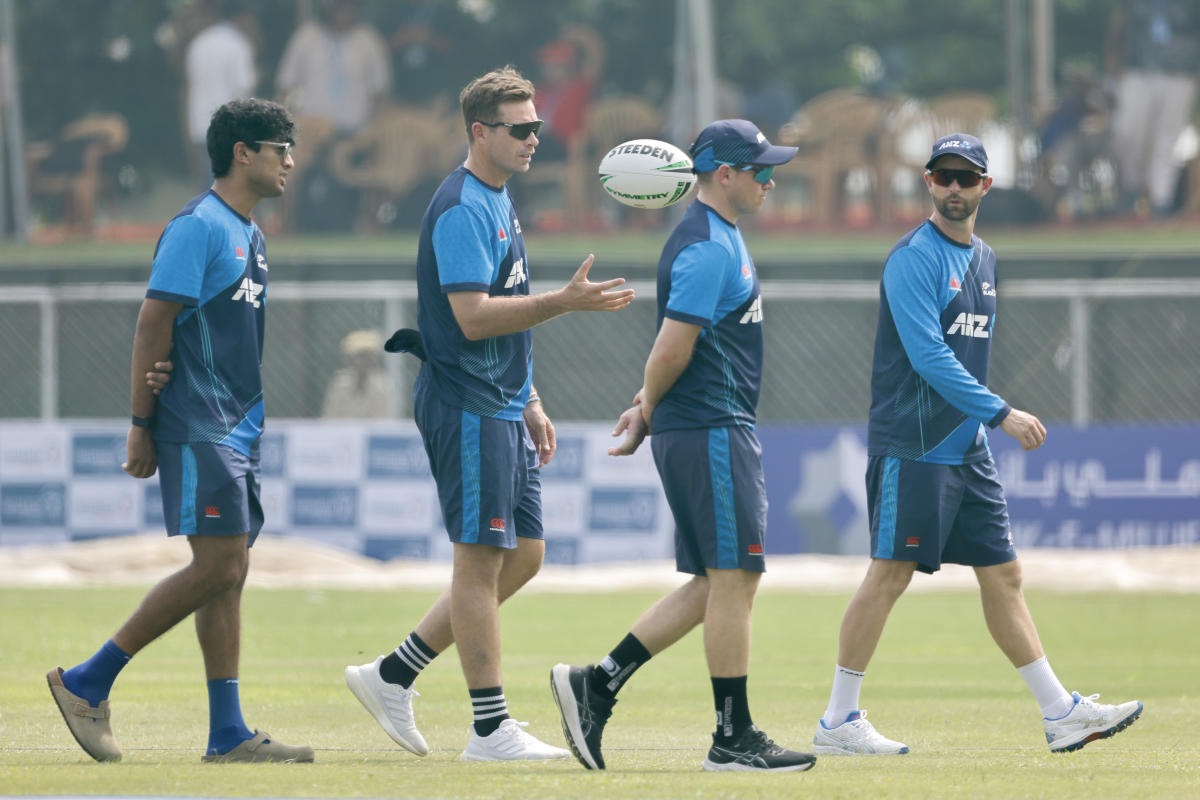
x=151, y=346
x=668, y=359
x=481, y=316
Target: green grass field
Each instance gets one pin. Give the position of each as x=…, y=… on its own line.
x=937, y=683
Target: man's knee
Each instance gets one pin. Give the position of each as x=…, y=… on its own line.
x=889, y=577
x=732, y=583
x=1001, y=577
x=220, y=562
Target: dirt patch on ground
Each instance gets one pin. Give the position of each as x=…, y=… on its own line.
x=290, y=562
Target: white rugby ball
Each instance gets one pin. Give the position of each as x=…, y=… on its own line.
x=647, y=173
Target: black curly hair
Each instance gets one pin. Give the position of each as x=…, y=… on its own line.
x=251, y=121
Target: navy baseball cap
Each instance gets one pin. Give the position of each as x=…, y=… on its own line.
x=959, y=144
x=736, y=141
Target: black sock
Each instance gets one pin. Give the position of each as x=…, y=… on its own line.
x=733, y=709
x=618, y=666
x=404, y=664
x=488, y=708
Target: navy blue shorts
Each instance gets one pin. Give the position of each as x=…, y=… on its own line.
x=713, y=479
x=938, y=513
x=209, y=490
x=488, y=479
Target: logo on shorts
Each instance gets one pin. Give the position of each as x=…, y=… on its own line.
x=912, y=541
x=497, y=524
x=755, y=550
x=212, y=512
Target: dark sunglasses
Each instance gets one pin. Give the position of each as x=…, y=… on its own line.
x=762, y=175
x=517, y=130
x=965, y=178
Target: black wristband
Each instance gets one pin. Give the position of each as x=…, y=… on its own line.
x=142, y=422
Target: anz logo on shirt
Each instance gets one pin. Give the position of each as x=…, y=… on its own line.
x=970, y=325
x=517, y=275
x=249, y=291
x=753, y=313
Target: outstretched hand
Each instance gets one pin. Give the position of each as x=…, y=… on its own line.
x=580, y=294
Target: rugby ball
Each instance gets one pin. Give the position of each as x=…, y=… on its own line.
x=647, y=173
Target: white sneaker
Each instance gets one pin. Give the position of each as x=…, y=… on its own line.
x=1088, y=721
x=854, y=737
x=389, y=704
x=509, y=743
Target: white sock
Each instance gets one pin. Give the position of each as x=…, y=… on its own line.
x=1054, y=700
x=843, y=699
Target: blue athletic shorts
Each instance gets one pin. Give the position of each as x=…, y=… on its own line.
x=209, y=490
x=487, y=474
x=937, y=513
x=713, y=479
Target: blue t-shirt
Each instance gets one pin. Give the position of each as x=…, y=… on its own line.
x=212, y=260
x=707, y=278
x=937, y=314
x=471, y=241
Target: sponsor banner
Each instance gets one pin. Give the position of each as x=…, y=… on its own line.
x=367, y=485
x=386, y=548
x=396, y=507
x=570, y=456
x=601, y=468
x=152, y=510
x=32, y=452
x=325, y=451
x=33, y=505
x=272, y=454
x=316, y=506
x=396, y=456
x=564, y=509
x=1111, y=487
x=627, y=547
x=105, y=505
x=624, y=509
x=275, y=499
x=98, y=453
x=1103, y=486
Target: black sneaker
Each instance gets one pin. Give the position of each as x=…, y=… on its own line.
x=583, y=712
x=754, y=752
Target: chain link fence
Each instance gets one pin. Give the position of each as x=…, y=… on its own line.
x=1069, y=351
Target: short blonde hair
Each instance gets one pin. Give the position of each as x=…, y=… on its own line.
x=481, y=98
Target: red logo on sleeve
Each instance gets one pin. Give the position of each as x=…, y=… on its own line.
x=954, y=283
x=503, y=235
x=239, y=252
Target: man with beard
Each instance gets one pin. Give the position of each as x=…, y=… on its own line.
x=932, y=488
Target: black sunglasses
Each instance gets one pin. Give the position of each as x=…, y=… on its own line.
x=517, y=130
x=966, y=178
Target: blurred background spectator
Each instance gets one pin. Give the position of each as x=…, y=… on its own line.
x=359, y=389
x=218, y=67
x=604, y=67
x=1154, y=60
x=335, y=75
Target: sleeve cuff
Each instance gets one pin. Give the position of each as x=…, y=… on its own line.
x=1000, y=416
